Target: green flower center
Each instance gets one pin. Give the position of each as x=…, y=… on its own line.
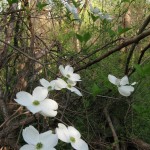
x=118, y=82
x=68, y=76
x=49, y=88
x=69, y=86
x=36, y=103
x=39, y=146
x=72, y=139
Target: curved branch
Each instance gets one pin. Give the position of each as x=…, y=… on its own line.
x=117, y=48
x=143, y=52
x=99, y=49
x=116, y=140
x=140, y=58
x=146, y=22
x=7, y=130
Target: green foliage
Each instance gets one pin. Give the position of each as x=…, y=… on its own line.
x=95, y=90
x=94, y=18
x=12, y=1
x=40, y=5
x=84, y=38
x=76, y=3
x=143, y=71
x=122, y=30
x=126, y=1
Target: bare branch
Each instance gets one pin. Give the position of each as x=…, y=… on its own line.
x=146, y=22
x=117, y=48
x=116, y=140
x=17, y=49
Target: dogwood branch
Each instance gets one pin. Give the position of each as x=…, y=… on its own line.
x=7, y=130
x=146, y=22
x=17, y=49
x=112, y=129
x=115, y=49
x=140, y=58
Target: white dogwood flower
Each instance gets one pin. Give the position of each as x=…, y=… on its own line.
x=71, y=9
x=70, y=86
x=94, y=10
x=57, y=84
x=71, y=135
x=37, y=102
x=106, y=16
x=36, y=141
x=67, y=72
x=60, y=84
x=123, y=85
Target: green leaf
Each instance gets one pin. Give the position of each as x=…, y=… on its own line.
x=139, y=70
x=86, y=37
x=123, y=1
x=111, y=32
x=94, y=18
x=79, y=37
x=87, y=104
x=122, y=30
x=143, y=71
x=76, y=4
x=40, y=5
x=12, y=1
x=146, y=69
x=95, y=90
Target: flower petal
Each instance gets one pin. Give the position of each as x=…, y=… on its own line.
x=124, y=81
x=30, y=135
x=60, y=84
x=49, y=139
x=48, y=148
x=62, y=133
x=74, y=132
x=48, y=107
x=75, y=90
x=72, y=83
x=27, y=147
x=112, y=79
x=62, y=70
x=69, y=69
x=80, y=145
x=75, y=77
x=125, y=90
x=52, y=84
x=44, y=83
x=49, y=104
x=134, y=83
x=34, y=109
x=50, y=113
x=24, y=98
x=40, y=93
x=68, y=7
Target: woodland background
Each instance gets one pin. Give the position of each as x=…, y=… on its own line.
x=36, y=38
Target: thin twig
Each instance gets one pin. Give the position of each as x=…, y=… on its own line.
x=116, y=140
x=15, y=48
